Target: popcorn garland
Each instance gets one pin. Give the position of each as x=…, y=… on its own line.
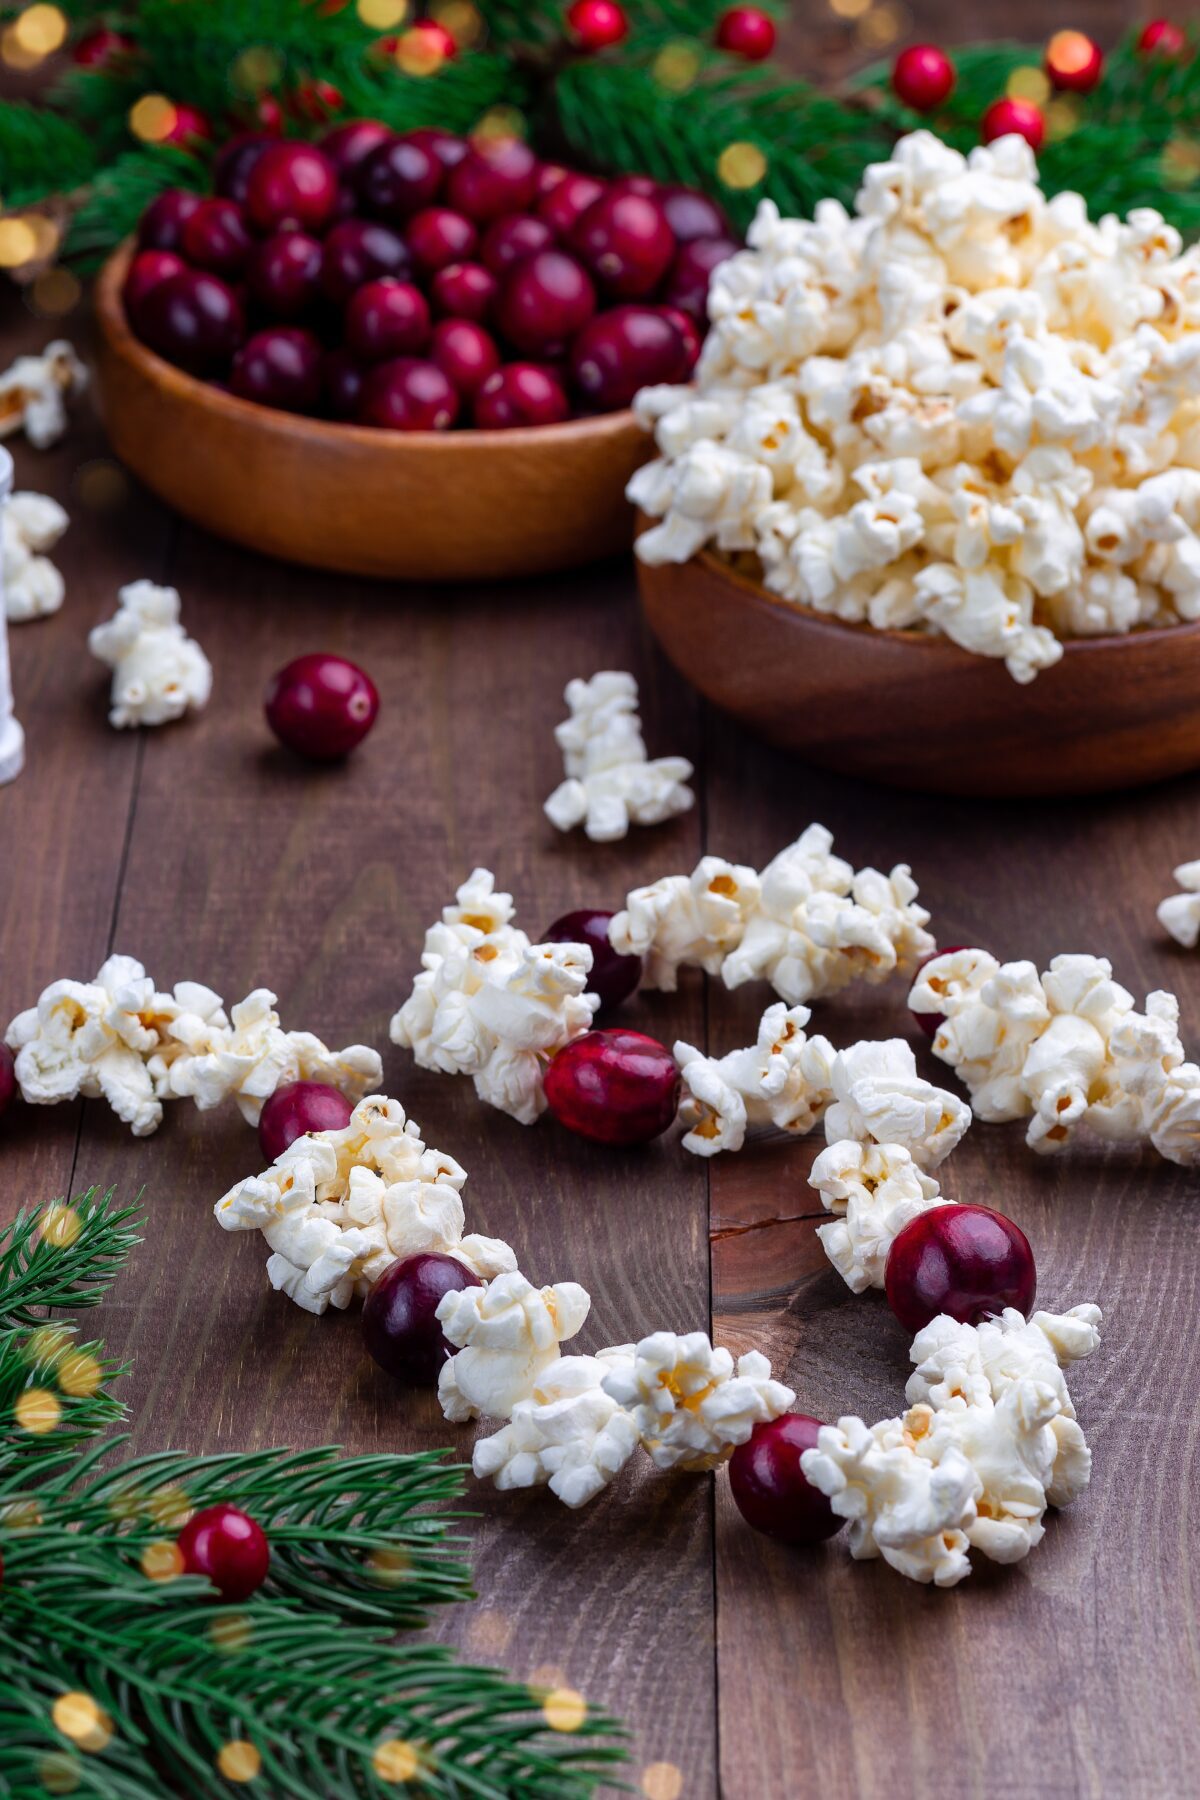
x=1180, y=913
x=159, y=673
x=34, y=391
x=966, y=409
x=611, y=784
x=118, y=1038
x=30, y=525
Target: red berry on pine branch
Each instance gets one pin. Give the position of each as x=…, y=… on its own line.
x=770, y=1488
x=229, y=1547
x=8, y=1078
x=1020, y=118
x=615, y=1087
x=188, y=126
x=1074, y=62
x=745, y=31
x=399, y=1317
x=923, y=77
x=296, y=1109
x=597, y=24
x=966, y=1261
x=614, y=976
x=96, y=49
x=1161, y=37
x=319, y=705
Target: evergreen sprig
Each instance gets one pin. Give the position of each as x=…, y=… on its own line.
x=73, y=1263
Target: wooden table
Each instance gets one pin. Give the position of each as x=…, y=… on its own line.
x=208, y=853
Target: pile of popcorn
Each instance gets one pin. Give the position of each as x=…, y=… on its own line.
x=611, y=783
x=1064, y=1049
x=119, y=1039
x=967, y=409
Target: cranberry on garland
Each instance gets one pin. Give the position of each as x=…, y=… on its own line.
x=770, y=1488
x=1074, y=62
x=923, y=77
x=229, y=1547
x=614, y=976
x=597, y=24
x=321, y=706
x=297, y=1109
x=399, y=1319
x=967, y=1261
x=1019, y=118
x=746, y=32
x=188, y=126
x=614, y=1086
x=1162, y=37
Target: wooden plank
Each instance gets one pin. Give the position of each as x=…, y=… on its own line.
x=246, y=868
x=1068, y=1674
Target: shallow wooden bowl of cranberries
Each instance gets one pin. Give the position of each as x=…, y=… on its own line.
x=403, y=356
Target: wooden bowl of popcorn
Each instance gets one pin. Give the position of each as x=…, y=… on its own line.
x=409, y=506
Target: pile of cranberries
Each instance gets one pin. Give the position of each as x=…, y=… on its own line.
x=422, y=281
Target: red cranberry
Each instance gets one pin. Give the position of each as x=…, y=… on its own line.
x=96, y=49
x=448, y=149
x=614, y=976
x=967, y=1261
x=687, y=284
x=284, y=274
x=626, y=242
x=162, y=223
x=348, y=145
x=620, y=351
x=408, y=394
x=567, y=202
x=923, y=77
x=1014, y=118
x=321, y=706
x=770, y=1488
x=692, y=215
x=465, y=353
x=689, y=338
x=342, y=380
x=1161, y=37
x=398, y=179
x=544, y=301
x=268, y=115
x=216, y=238
x=597, y=24
x=229, y=1547
x=8, y=1078
x=387, y=318
x=399, y=1317
x=495, y=176
x=464, y=290
x=193, y=319
x=147, y=269
x=316, y=101
x=438, y=237
x=521, y=394
x=931, y=1023
x=188, y=126
x=745, y=31
x=279, y=367
x=292, y=184
x=296, y=1109
x=548, y=177
x=616, y=1087
x=508, y=240
x=359, y=250
x=235, y=162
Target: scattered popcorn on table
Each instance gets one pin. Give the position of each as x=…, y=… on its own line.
x=1179, y=913
x=611, y=784
x=33, y=392
x=158, y=671
x=781, y=1080
x=965, y=409
x=30, y=525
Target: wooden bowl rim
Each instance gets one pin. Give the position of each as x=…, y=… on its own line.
x=756, y=591
x=177, y=384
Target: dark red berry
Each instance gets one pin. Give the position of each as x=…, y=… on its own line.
x=408, y=394
x=614, y=1086
x=284, y=274
x=279, y=367
x=544, y=301
x=686, y=285
x=464, y=291
x=342, y=382
x=400, y=1322
x=614, y=976
x=321, y=706
x=348, y=145
x=625, y=241
x=387, y=318
x=597, y=24
x=923, y=77
x=692, y=215
x=193, y=319
x=438, y=237
x=357, y=251
x=521, y=394
x=162, y=223
x=189, y=126
x=97, y=49
x=746, y=32
x=229, y=1547
x=216, y=238
x=235, y=163
x=966, y=1261
x=770, y=1488
x=567, y=202
x=292, y=184
x=465, y=353
x=147, y=269
x=448, y=149
x=509, y=240
x=296, y=1109
x=620, y=351
x=398, y=179
x=495, y=176
x=689, y=338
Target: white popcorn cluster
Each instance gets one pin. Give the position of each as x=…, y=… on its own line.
x=120, y=1039
x=1180, y=913
x=809, y=923
x=965, y=409
x=1064, y=1049
x=30, y=525
x=158, y=670
x=611, y=783
x=337, y=1207
x=989, y=1441
x=782, y=1079
x=34, y=391
x=492, y=1005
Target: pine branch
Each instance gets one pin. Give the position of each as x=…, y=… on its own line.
x=456, y=97
x=40, y=153
x=116, y=200
x=72, y=1263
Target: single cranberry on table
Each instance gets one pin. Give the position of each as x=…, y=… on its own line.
x=8, y=1078
x=348, y=145
x=464, y=291
x=398, y=179
x=771, y=1490
x=147, y=269
x=614, y=976
x=236, y=161
x=358, y=251
x=692, y=215
x=161, y=225
x=96, y=49
x=399, y=1318
x=495, y=176
x=597, y=24
x=967, y=1261
x=296, y=1109
x=620, y=351
x=625, y=241
x=567, y=201
x=193, y=319
x=342, y=379
x=229, y=1547
x=408, y=394
x=465, y=353
x=292, y=184
x=521, y=394
x=321, y=706
x=387, y=318
x=931, y=1023
x=284, y=274
x=686, y=285
x=923, y=77
x=281, y=367
x=438, y=237
x=746, y=32
x=216, y=238
x=544, y=301
x=511, y=238
x=614, y=1086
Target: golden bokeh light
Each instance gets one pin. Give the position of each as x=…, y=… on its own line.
x=61, y=1226
x=850, y=9
x=79, y=1718
x=13, y=53
x=676, y=66
x=1028, y=83
x=545, y=1677
x=883, y=25
x=254, y=70
x=37, y=1410
x=564, y=1709
x=79, y=1375
x=162, y=1561
x=420, y=52
x=741, y=165
x=102, y=486
x=1063, y=116
x=238, y=1760
x=40, y=30
x=662, y=1781
x=55, y=293
x=47, y=1345
x=382, y=15
x=499, y=123
x=390, y=1565
x=394, y=1760
x=461, y=19
x=59, y=1773
x=1181, y=162
x=231, y=1634
x=152, y=118
x=489, y=1632
x=18, y=243
x=169, y=1506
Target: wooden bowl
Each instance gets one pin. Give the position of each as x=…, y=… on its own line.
x=416, y=506
x=915, y=711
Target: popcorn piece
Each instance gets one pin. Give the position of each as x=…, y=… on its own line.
x=568, y=1434
x=611, y=784
x=158, y=671
x=1010, y=1446
x=878, y=1094
x=508, y=1336
x=33, y=391
x=780, y=1080
x=690, y=1409
x=1179, y=913
x=874, y=1190
x=686, y=919
x=30, y=525
x=337, y=1207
